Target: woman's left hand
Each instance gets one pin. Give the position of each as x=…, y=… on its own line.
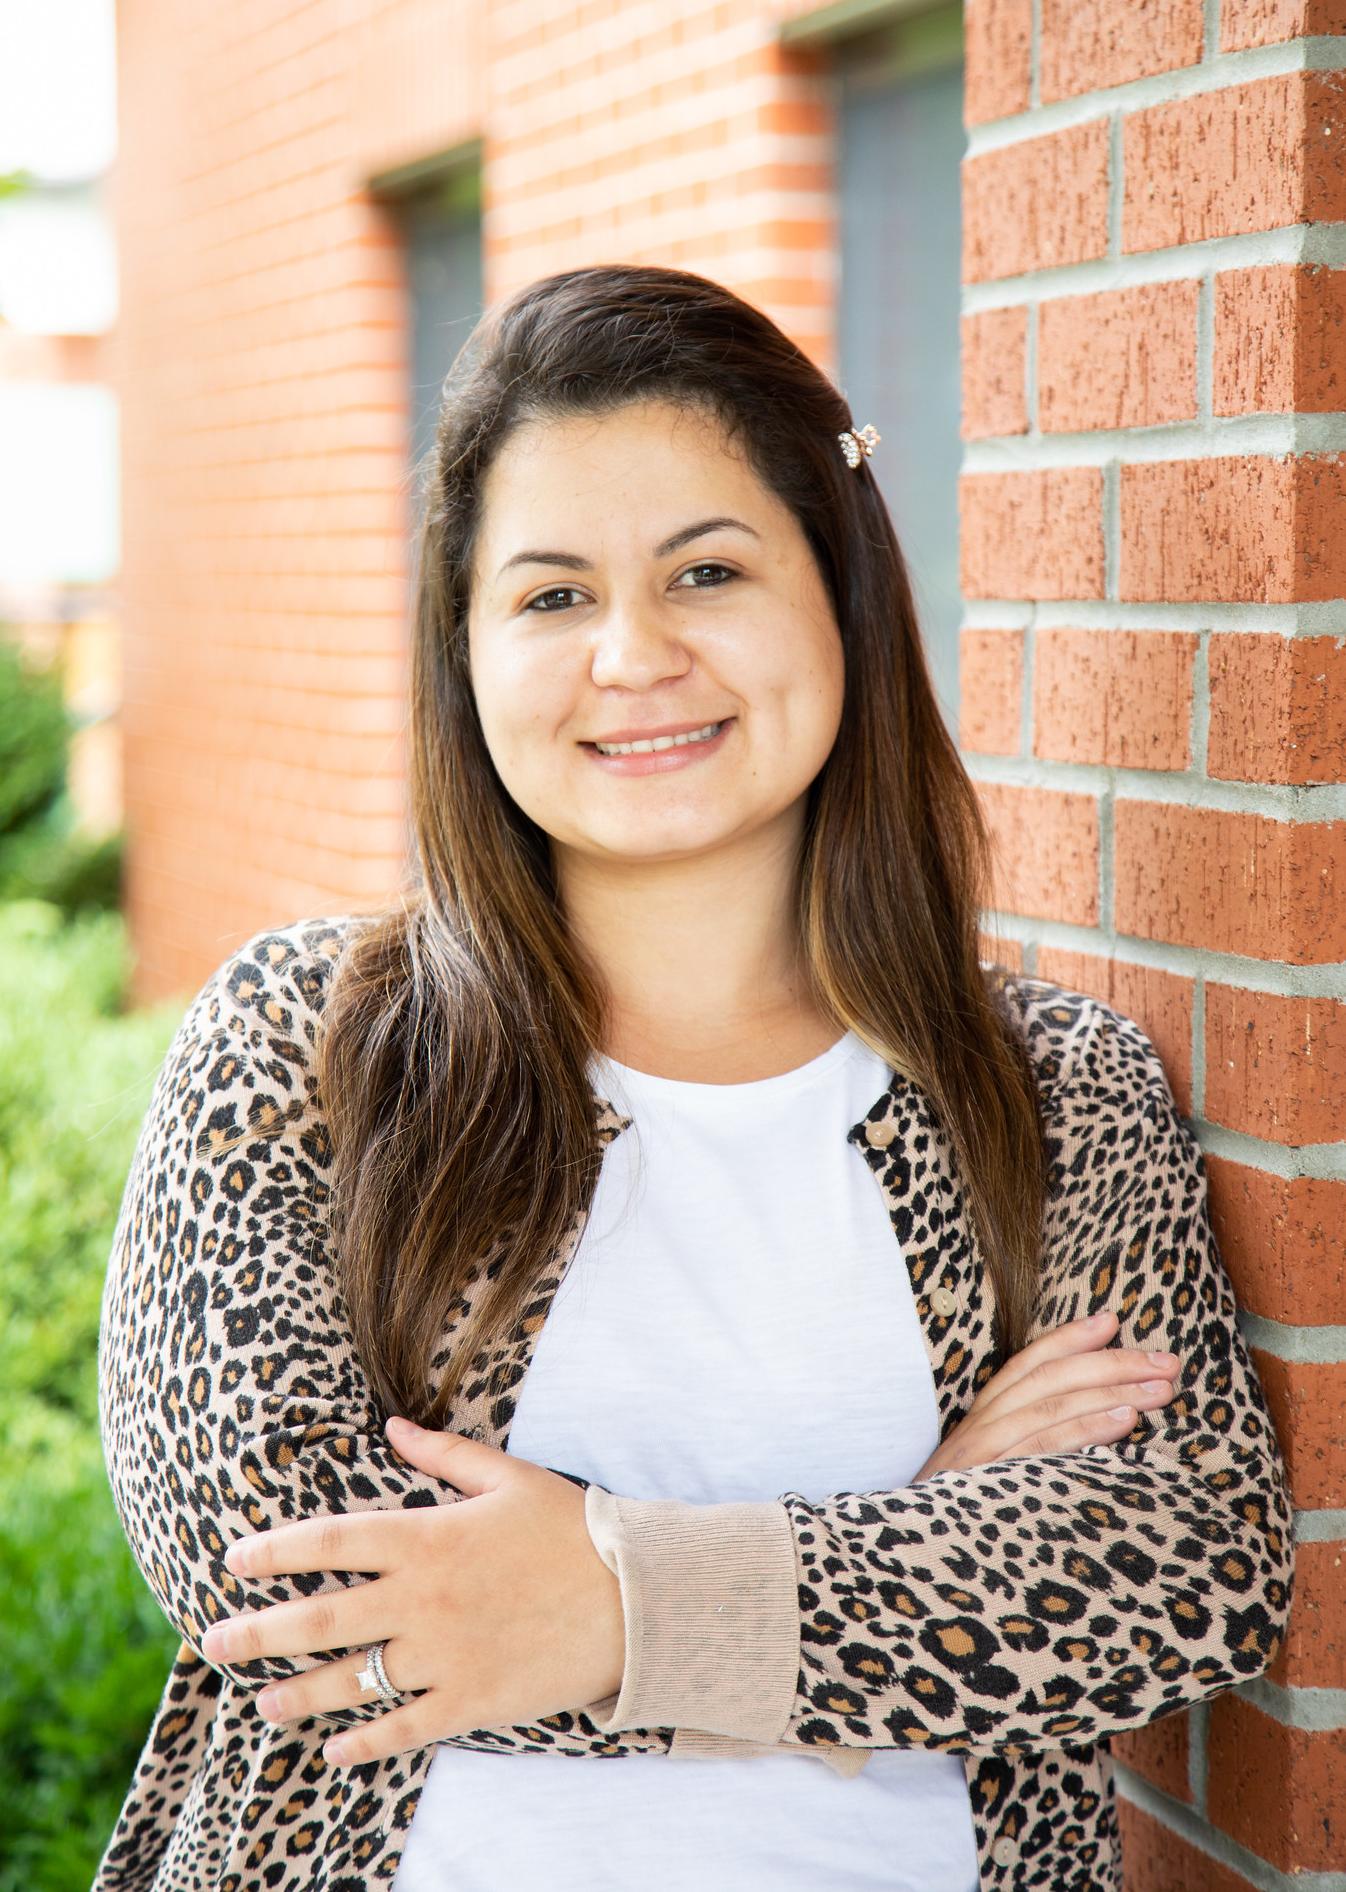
x=498, y=1606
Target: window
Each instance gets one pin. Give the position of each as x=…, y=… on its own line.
x=437, y=206
x=900, y=147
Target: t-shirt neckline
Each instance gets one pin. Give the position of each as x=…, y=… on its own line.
x=752, y=1090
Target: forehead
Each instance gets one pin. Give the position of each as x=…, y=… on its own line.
x=583, y=467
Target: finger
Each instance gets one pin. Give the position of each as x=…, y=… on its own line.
x=1105, y=1370
x=358, y=1540
x=415, y=1724
x=1076, y=1336
x=339, y=1619
x=470, y=1465
x=1092, y=1428
x=322, y=1691
x=1073, y=1435
x=1032, y=1424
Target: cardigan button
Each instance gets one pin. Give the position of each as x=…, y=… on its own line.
x=879, y=1135
x=944, y=1301
x=1004, y=1852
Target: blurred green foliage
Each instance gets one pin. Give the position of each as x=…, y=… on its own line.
x=86, y=1650
x=44, y=855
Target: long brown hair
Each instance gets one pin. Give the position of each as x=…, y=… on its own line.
x=458, y=1024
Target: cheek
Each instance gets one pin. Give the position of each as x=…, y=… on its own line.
x=813, y=709
x=524, y=696
x=808, y=681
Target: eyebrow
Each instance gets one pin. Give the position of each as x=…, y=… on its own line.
x=573, y=562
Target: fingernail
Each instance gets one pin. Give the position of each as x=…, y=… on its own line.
x=396, y=1424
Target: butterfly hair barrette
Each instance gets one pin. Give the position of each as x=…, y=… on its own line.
x=858, y=441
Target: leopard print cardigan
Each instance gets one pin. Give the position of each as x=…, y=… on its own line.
x=1018, y=1614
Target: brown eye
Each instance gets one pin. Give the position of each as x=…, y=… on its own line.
x=550, y=592
x=708, y=565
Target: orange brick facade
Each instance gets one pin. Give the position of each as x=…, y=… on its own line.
x=1152, y=542
x=1151, y=668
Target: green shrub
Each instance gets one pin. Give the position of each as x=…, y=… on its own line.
x=34, y=739
x=86, y=1649
x=44, y=854
x=51, y=859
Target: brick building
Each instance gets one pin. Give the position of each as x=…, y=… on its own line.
x=1082, y=262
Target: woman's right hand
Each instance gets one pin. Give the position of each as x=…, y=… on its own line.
x=1066, y=1389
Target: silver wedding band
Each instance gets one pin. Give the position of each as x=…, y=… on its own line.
x=374, y=1675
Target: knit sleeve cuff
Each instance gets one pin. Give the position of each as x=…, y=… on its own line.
x=711, y=1604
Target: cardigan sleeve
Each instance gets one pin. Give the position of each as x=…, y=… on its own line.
x=1041, y=1600
x=231, y=1397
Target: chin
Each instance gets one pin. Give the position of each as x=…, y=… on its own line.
x=640, y=844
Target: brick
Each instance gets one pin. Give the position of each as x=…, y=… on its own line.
x=1237, y=159
x=1122, y=358
x=1045, y=846
x=993, y=393
x=1240, y=528
x=1279, y=1791
x=1119, y=698
x=997, y=52
x=1156, y=1859
x=1157, y=1752
x=1277, y=708
x=1313, y=1654
x=1160, y=1003
x=1279, y=340
x=1112, y=41
x=1283, y=1240
x=793, y=117
x=1276, y=1064
x=1230, y=881
x=1036, y=204
x=1305, y=1399
x=991, y=670
x=998, y=949
x=1031, y=534
x=1245, y=23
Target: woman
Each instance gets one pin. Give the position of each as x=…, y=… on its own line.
x=820, y=1347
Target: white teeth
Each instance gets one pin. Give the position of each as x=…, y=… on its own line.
x=651, y=744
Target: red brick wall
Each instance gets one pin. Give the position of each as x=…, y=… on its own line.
x=1154, y=702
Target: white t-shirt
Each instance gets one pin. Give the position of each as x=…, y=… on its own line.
x=738, y=1250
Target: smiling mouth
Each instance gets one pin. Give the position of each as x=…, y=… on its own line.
x=653, y=745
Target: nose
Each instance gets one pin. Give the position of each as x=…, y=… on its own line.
x=633, y=649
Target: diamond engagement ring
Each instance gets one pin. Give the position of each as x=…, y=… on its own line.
x=374, y=1675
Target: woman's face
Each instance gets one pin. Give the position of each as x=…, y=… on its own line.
x=633, y=577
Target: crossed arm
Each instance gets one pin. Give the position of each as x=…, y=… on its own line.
x=1035, y=1601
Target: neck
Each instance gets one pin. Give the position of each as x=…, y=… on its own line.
x=700, y=961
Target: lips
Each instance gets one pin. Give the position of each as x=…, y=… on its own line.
x=675, y=756
x=657, y=735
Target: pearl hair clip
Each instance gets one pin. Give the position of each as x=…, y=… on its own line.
x=858, y=440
